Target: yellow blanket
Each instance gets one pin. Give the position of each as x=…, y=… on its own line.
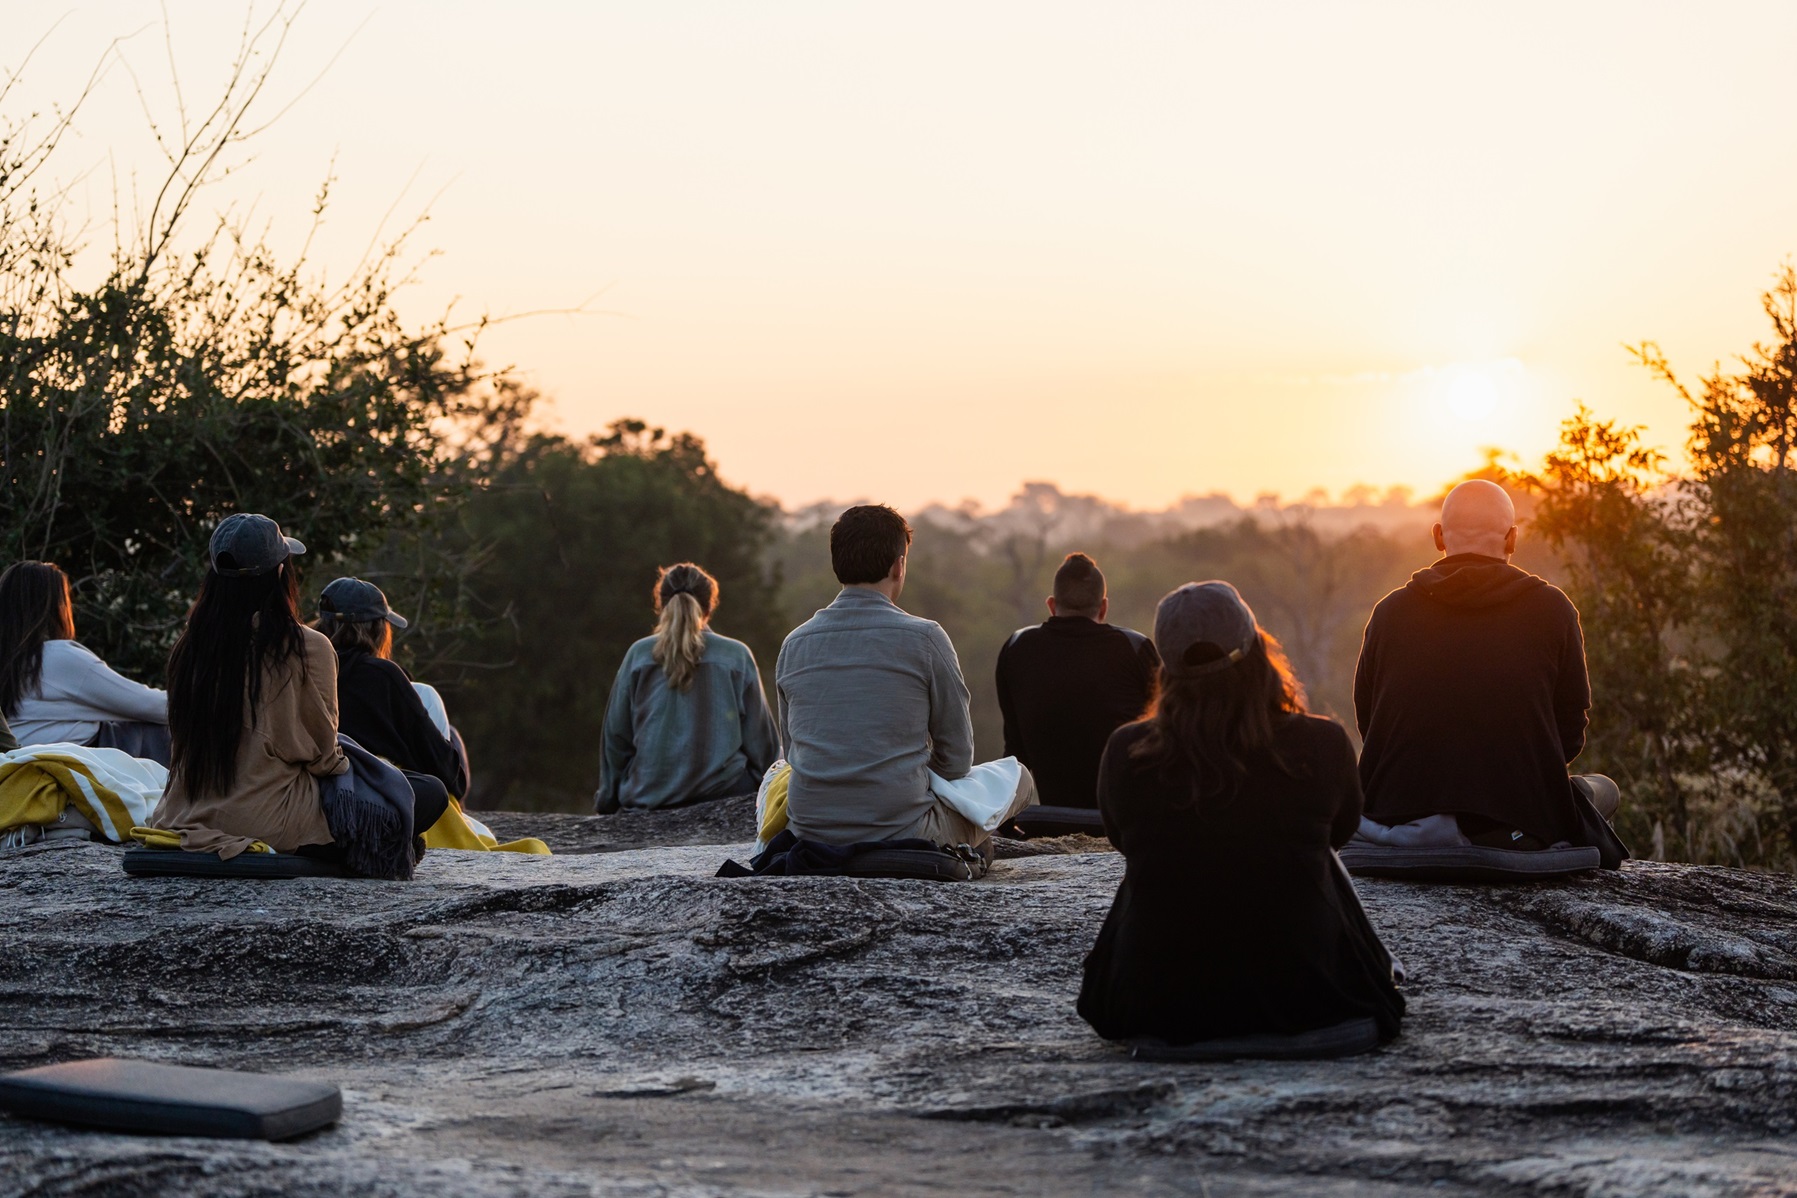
x=162, y=838
x=37, y=791
x=770, y=814
x=459, y=830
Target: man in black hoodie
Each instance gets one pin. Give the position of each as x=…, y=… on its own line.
x=1471, y=692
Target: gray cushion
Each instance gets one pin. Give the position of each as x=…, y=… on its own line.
x=1341, y=1040
x=141, y=1096
x=1467, y=863
x=1058, y=821
x=928, y=864
x=178, y=863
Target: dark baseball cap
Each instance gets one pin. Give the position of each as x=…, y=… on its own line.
x=1203, y=627
x=353, y=599
x=246, y=544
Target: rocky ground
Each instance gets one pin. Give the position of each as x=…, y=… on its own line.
x=614, y=1020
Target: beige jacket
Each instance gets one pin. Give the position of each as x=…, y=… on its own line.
x=290, y=745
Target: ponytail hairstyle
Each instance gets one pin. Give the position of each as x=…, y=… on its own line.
x=236, y=630
x=685, y=597
x=34, y=608
x=1211, y=727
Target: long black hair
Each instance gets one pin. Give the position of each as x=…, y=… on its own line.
x=236, y=629
x=34, y=608
x=1214, y=726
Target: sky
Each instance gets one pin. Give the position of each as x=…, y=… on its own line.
x=929, y=251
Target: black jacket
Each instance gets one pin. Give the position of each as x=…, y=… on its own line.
x=1235, y=917
x=1471, y=696
x=379, y=710
x=1064, y=686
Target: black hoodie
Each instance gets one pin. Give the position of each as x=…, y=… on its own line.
x=1471, y=696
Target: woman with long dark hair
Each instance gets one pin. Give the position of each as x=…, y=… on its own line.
x=253, y=707
x=1227, y=802
x=53, y=689
x=687, y=719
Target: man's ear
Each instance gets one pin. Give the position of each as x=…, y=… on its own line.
x=1510, y=541
x=1441, y=546
x=1051, y=610
x=898, y=569
x=1104, y=608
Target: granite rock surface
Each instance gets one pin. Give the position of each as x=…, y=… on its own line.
x=615, y=1020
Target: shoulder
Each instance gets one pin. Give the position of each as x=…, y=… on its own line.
x=71, y=652
x=1554, y=599
x=1137, y=642
x=1125, y=738
x=1316, y=735
x=727, y=650
x=1027, y=633
x=317, y=645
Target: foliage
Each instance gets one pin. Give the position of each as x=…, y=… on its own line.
x=1688, y=589
x=196, y=377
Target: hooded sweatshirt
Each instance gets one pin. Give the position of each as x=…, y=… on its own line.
x=1471, y=695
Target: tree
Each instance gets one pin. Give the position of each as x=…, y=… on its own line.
x=1604, y=502
x=196, y=375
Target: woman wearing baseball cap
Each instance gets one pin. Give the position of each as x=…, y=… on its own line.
x=378, y=704
x=252, y=700
x=1227, y=802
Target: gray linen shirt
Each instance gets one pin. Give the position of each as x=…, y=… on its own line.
x=664, y=746
x=870, y=700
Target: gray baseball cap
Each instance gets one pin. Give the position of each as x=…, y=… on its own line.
x=354, y=599
x=1203, y=627
x=246, y=544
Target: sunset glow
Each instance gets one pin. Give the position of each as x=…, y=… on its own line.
x=934, y=251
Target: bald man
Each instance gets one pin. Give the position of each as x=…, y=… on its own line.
x=1471, y=695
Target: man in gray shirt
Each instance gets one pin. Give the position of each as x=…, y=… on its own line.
x=871, y=702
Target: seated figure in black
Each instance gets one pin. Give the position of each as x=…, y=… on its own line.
x=1234, y=917
x=1471, y=694
x=379, y=706
x=1066, y=684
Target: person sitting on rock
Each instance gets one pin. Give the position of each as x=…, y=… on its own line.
x=1066, y=684
x=378, y=705
x=1471, y=694
x=53, y=690
x=253, y=709
x=687, y=720
x=1226, y=800
x=872, y=704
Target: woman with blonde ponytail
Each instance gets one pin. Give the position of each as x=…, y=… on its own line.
x=687, y=720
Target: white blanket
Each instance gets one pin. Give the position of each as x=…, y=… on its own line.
x=137, y=783
x=985, y=794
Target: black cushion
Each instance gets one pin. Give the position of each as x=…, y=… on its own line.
x=1341, y=1040
x=1057, y=821
x=1467, y=863
x=178, y=863
x=928, y=864
x=175, y=1100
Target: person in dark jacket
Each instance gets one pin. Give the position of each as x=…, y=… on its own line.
x=1471, y=694
x=1066, y=684
x=379, y=707
x=1227, y=802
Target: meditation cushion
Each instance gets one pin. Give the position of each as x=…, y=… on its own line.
x=1466, y=863
x=178, y=863
x=1058, y=821
x=1341, y=1040
x=174, y=1100
x=932, y=865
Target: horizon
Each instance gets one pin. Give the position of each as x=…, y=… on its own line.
x=931, y=256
